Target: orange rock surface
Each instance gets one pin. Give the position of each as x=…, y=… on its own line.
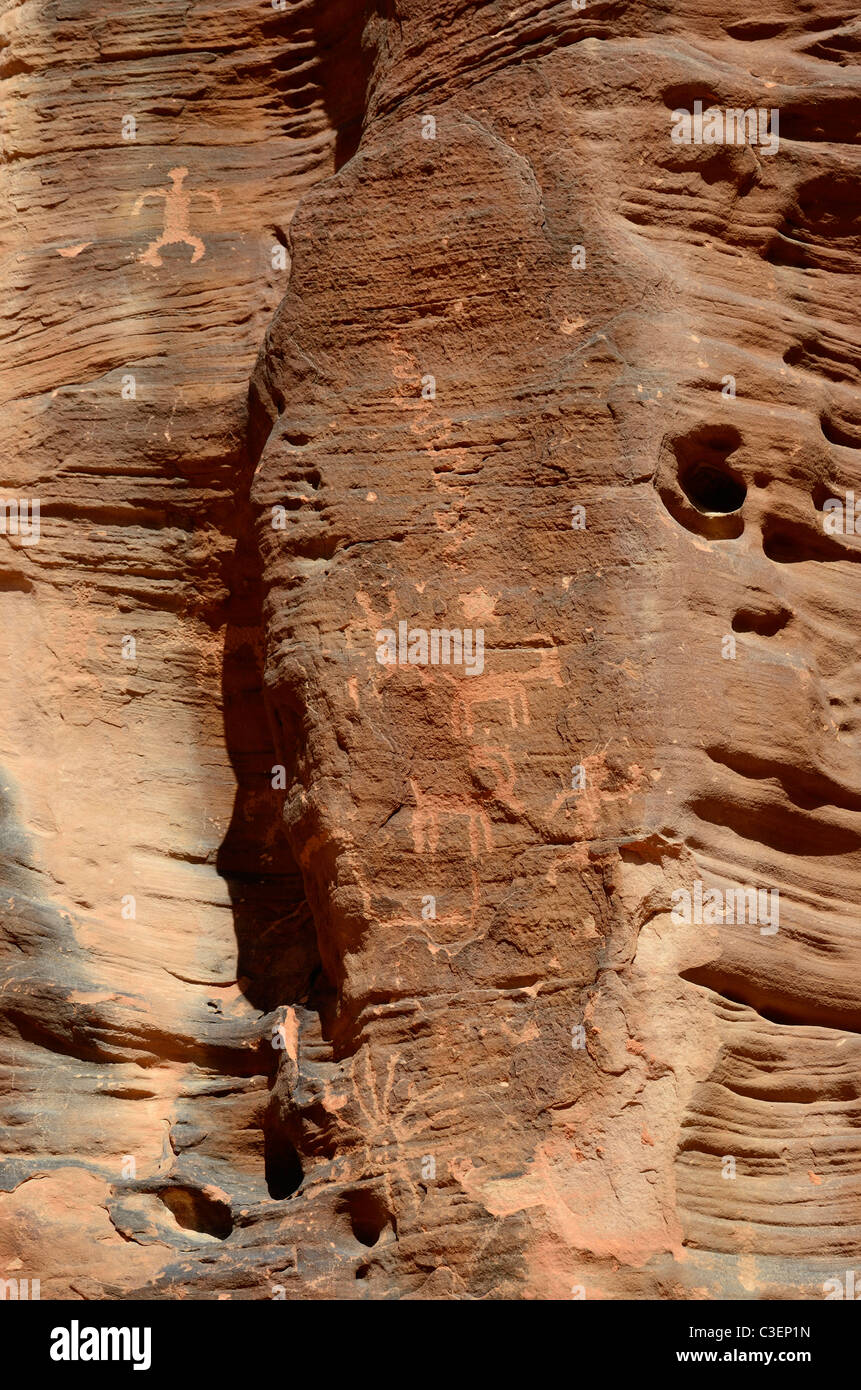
x=338, y=342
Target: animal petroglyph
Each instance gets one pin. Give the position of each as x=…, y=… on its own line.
x=177, y=211
x=433, y=808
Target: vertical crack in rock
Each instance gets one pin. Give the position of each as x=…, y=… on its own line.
x=432, y=799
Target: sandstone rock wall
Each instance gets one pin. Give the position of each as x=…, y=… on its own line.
x=332, y=976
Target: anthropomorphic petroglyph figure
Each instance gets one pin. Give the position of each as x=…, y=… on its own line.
x=177, y=208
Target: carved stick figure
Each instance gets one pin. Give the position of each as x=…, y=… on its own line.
x=177, y=206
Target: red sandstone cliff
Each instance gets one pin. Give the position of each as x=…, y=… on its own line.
x=328, y=976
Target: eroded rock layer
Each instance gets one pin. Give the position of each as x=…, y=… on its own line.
x=336, y=968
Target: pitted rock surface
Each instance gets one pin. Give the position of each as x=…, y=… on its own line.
x=335, y=969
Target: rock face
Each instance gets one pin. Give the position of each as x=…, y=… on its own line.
x=432, y=775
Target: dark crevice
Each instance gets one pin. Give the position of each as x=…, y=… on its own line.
x=845, y=434
x=792, y=543
x=753, y=30
x=195, y=1210
x=815, y=355
x=833, y=120
x=277, y=955
x=838, y=48
x=713, y=489
x=736, y=986
x=807, y=791
x=369, y=1215
x=346, y=62
x=763, y=623
x=781, y=828
x=698, y=485
x=282, y=1164
x=13, y=582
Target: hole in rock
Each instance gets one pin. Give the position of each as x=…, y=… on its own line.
x=838, y=48
x=368, y=1215
x=817, y=23
x=713, y=488
x=197, y=1211
x=282, y=1164
x=753, y=30
x=697, y=484
x=788, y=543
x=844, y=434
x=682, y=95
x=766, y=624
x=831, y=120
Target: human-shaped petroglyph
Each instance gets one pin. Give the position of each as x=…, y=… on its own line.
x=177, y=208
